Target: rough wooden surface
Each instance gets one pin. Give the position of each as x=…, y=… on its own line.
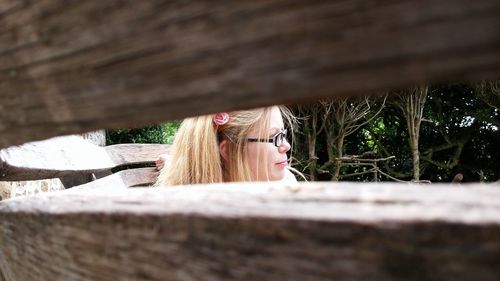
x=255, y=232
x=69, y=156
x=22, y=188
x=75, y=66
x=52, y=158
x=135, y=153
x=124, y=179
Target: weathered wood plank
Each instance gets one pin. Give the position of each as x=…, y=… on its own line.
x=255, y=232
x=124, y=179
x=135, y=153
x=70, y=156
x=128, y=63
x=137, y=177
x=52, y=158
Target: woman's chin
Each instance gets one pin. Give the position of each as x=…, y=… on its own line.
x=277, y=175
x=280, y=175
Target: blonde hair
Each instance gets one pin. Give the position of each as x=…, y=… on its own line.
x=195, y=156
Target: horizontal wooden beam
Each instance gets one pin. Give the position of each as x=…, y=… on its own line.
x=255, y=232
x=135, y=153
x=70, y=156
x=124, y=179
x=69, y=67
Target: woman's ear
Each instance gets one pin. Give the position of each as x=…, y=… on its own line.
x=224, y=150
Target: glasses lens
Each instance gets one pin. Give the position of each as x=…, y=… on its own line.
x=278, y=139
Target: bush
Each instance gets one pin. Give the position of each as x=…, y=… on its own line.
x=162, y=133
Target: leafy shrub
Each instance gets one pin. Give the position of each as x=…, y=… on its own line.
x=162, y=133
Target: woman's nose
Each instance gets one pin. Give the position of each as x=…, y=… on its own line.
x=284, y=147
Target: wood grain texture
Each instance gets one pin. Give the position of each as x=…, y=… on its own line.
x=52, y=158
x=75, y=66
x=137, y=177
x=255, y=232
x=135, y=153
x=71, y=156
x=124, y=179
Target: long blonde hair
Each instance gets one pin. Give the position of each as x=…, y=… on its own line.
x=195, y=156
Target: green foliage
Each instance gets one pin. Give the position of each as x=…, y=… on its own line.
x=163, y=133
x=169, y=131
x=459, y=134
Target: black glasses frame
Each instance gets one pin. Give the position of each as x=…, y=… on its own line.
x=277, y=139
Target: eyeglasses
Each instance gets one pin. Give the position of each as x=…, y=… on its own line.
x=277, y=139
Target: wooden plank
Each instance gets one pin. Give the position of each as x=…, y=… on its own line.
x=124, y=179
x=138, y=177
x=131, y=63
x=52, y=158
x=71, y=156
x=135, y=153
x=265, y=231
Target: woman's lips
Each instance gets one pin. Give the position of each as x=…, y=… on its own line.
x=283, y=163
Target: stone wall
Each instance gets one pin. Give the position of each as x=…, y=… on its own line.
x=13, y=189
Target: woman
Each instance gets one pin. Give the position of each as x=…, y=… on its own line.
x=246, y=145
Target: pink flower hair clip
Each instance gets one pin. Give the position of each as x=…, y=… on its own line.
x=221, y=118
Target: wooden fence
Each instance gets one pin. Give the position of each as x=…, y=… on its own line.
x=75, y=66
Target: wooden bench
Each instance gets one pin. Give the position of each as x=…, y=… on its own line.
x=133, y=63
x=76, y=161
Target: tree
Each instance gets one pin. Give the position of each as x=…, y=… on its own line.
x=411, y=102
x=325, y=128
x=346, y=116
x=458, y=135
x=489, y=92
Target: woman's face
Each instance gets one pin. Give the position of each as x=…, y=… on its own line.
x=267, y=162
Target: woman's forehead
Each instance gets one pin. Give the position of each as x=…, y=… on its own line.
x=276, y=122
